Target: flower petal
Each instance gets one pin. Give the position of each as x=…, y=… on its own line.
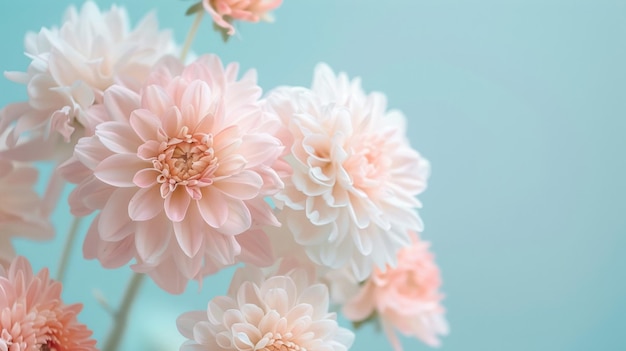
x=145, y=204
x=212, y=207
x=176, y=204
x=118, y=137
x=190, y=232
x=119, y=170
x=242, y=186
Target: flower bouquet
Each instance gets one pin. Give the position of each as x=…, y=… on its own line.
x=182, y=167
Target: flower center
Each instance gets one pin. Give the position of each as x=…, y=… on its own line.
x=276, y=343
x=187, y=161
x=369, y=165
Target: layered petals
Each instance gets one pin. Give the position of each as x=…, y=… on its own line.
x=284, y=311
x=71, y=67
x=33, y=316
x=404, y=298
x=185, y=161
x=354, y=177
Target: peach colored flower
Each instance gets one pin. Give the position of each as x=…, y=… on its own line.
x=282, y=312
x=181, y=175
x=351, y=197
x=224, y=12
x=19, y=208
x=32, y=315
x=405, y=298
x=70, y=68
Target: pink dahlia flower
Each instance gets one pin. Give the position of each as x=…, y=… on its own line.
x=180, y=172
x=32, y=315
x=224, y=12
x=283, y=312
x=70, y=69
x=19, y=209
x=351, y=196
x=405, y=298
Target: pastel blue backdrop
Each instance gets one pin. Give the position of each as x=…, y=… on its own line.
x=519, y=106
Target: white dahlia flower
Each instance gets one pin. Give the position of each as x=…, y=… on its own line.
x=351, y=195
x=70, y=68
x=282, y=312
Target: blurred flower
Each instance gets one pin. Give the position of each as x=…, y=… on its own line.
x=19, y=208
x=405, y=298
x=33, y=316
x=351, y=197
x=70, y=68
x=180, y=183
x=282, y=312
x=224, y=12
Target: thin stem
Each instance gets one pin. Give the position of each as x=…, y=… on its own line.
x=67, y=249
x=191, y=35
x=121, y=316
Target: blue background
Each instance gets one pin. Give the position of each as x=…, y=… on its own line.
x=519, y=106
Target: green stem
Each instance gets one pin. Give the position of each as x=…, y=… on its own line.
x=191, y=35
x=67, y=249
x=121, y=316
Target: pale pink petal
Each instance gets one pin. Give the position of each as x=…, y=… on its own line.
x=145, y=124
x=151, y=241
x=242, y=186
x=187, y=320
x=176, y=205
x=119, y=170
x=120, y=103
x=189, y=267
x=224, y=248
x=117, y=137
x=255, y=248
x=198, y=95
x=90, y=153
x=239, y=218
x=146, y=178
x=190, y=233
x=168, y=277
x=212, y=207
x=145, y=204
x=156, y=99
x=114, y=223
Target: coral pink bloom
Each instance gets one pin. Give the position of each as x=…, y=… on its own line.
x=180, y=173
x=405, y=298
x=282, y=312
x=19, y=208
x=351, y=196
x=32, y=315
x=224, y=12
x=70, y=69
